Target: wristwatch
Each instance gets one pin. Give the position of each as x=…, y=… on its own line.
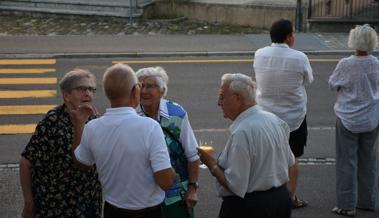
x=194, y=184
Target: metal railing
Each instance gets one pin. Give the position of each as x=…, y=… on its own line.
x=344, y=10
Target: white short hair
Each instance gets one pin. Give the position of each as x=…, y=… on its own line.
x=241, y=84
x=363, y=38
x=158, y=73
x=118, y=81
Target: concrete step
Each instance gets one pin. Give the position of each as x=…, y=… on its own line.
x=118, y=8
x=87, y=2
x=71, y=12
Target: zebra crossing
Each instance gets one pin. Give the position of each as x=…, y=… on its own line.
x=25, y=80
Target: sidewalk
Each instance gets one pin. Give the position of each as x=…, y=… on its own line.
x=161, y=45
x=22, y=36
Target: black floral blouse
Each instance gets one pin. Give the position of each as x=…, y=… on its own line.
x=59, y=188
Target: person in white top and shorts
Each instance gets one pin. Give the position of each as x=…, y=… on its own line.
x=281, y=74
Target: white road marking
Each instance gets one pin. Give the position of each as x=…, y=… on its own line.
x=322, y=128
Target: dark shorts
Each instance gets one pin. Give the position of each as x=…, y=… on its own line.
x=298, y=139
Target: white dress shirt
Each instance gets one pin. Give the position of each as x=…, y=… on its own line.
x=281, y=74
x=257, y=155
x=356, y=80
x=127, y=149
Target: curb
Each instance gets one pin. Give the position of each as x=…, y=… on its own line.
x=162, y=54
x=128, y=54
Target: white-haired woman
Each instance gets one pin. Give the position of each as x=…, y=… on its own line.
x=356, y=80
x=181, y=142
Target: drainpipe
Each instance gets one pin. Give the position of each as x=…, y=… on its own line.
x=130, y=11
x=299, y=16
x=351, y=9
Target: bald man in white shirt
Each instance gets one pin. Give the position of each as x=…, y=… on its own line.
x=129, y=151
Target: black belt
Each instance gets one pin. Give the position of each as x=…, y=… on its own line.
x=266, y=191
x=254, y=193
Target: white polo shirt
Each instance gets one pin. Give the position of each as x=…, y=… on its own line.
x=127, y=149
x=281, y=74
x=257, y=155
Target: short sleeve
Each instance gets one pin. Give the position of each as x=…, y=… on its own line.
x=158, y=153
x=38, y=150
x=83, y=152
x=286, y=134
x=188, y=140
x=239, y=163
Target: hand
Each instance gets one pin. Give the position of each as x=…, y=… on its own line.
x=80, y=115
x=190, y=199
x=206, y=158
x=29, y=210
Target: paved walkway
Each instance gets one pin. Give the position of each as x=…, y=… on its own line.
x=249, y=2
x=139, y=45
x=150, y=45
x=25, y=36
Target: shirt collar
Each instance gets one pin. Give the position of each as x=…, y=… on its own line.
x=163, y=110
x=120, y=110
x=363, y=57
x=242, y=116
x=280, y=45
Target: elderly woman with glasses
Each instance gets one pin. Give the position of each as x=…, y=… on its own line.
x=356, y=81
x=181, y=142
x=52, y=186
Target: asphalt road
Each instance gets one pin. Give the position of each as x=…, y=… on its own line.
x=194, y=84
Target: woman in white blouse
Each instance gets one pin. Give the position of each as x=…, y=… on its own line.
x=356, y=80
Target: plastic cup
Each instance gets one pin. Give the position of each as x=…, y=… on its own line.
x=207, y=149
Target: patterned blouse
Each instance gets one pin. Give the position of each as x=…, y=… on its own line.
x=356, y=80
x=59, y=188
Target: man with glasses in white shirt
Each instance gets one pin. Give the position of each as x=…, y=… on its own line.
x=281, y=74
x=252, y=170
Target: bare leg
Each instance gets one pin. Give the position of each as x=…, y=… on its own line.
x=292, y=184
x=293, y=174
